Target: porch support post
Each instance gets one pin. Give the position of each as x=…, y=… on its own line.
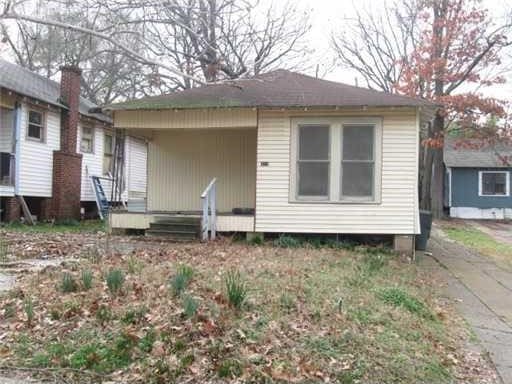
x=205, y=219
x=404, y=244
x=213, y=225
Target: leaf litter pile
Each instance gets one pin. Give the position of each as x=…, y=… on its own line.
x=231, y=312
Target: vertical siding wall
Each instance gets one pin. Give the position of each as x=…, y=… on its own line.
x=181, y=163
x=36, y=158
x=397, y=212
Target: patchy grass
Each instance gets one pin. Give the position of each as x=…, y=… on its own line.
x=84, y=226
x=309, y=314
x=481, y=242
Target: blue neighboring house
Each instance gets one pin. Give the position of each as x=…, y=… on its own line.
x=477, y=184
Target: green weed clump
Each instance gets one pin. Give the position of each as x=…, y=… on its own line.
x=236, y=289
x=4, y=250
x=68, y=283
x=87, y=277
x=115, y=280
x=398, y=297
x=28, y=307
x=229, y=368
x=190, y=306
x=284, y=241
x=135, y=315
x=181, y=279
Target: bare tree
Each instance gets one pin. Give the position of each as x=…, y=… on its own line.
x=167, y=45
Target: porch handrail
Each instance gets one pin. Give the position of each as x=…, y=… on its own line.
x=209, y=218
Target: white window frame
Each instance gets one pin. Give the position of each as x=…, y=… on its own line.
x=42, y=126
x=507, y=184
x=111, y=155
x=335, y=128
x=93, y=138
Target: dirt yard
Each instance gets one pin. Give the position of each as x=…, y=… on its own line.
x=120, y=309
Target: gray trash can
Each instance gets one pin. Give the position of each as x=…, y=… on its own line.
x=425, y=226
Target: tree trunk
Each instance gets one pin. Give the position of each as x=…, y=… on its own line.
x=437, y=173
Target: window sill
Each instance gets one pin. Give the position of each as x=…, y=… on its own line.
x=493, y=195
x=340, y=202
x=35, y=140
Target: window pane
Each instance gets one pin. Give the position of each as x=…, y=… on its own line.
x=357, y=179
x=494, y=184
x=313, y=142
x=108, y=145
x=34, y=131
x=313, y=178
x=358, y=142
x=35, y=117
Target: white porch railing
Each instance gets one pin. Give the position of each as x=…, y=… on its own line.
x=209, y=218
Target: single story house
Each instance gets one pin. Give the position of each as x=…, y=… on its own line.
x=52, y=141
x=278, y=153
x=477, y=184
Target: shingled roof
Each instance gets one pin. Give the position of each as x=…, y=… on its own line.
x=280, y=88
x=475, y=154
x=20, y=80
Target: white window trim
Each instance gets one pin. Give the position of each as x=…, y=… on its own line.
x=42, y=139
x=336, y=124
x=93, y=138
x=507, y=184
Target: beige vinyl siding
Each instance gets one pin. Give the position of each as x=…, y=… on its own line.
x=397, y=212
x=181, y=163
x=190, y=119
x=36, y=158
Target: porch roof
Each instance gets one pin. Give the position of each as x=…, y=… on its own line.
x=280, y=88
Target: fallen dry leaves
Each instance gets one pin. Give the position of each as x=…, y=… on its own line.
x=303, y=320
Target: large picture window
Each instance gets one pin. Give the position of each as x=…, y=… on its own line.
x=336, y=160
x=494, y=183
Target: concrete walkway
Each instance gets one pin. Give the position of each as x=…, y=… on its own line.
x=483, y=295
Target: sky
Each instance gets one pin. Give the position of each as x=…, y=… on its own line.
x=327, y=15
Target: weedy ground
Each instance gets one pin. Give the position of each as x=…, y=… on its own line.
x=232, y=312
x=479, y=241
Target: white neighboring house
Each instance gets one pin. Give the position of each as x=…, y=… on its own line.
x=31, y=110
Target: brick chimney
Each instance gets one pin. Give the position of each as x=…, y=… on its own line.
x=67, y=163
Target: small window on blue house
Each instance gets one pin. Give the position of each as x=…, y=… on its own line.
x=494, y=183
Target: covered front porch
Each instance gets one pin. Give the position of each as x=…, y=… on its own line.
x=196, y=170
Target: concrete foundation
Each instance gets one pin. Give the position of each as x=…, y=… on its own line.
x=404, y=244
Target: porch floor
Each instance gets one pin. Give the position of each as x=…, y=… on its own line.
x=226, y=221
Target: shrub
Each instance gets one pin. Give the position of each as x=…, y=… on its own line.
x=284, y=241
x=181, y=279
x=190, y=306
x=115, y=280
x=68, y=283
x=134, y=264
x=236, y=289
x=68, y=222
x=87, y=277
x=400, y=298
